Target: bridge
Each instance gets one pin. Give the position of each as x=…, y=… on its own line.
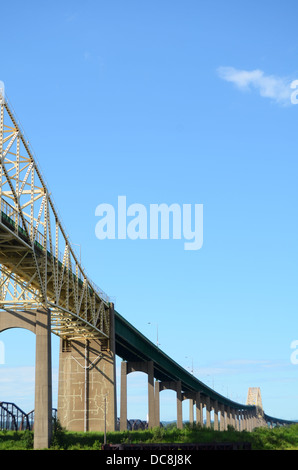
x=44, y=288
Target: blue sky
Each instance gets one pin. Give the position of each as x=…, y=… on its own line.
x=171, y=102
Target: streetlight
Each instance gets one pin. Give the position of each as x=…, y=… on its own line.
x=157, y=343
x=105, y=430
x=187, y=357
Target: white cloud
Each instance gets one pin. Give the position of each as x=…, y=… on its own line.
x=269, y=86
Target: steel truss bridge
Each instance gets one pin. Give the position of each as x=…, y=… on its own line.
x=39, y=271
x=13, y=418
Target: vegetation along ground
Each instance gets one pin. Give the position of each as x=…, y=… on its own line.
x=279, y=438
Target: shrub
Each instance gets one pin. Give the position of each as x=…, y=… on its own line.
x=27, y=439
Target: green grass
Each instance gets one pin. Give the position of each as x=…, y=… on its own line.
x=260, y=439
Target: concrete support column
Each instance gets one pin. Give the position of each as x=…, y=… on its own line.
x=191, y=413
x=234, y=424
x=215, y=407
x=238, y=420
x=245, y=420
x=156, y=404
x=222, y=418
x=43, y=381
x=199, y=409
x=241, y=420
x=151, y=407
x=123, y=397
x=248, y=420
x=179, y=406
x=208, y=409
x=253, y=420
x=227, y=416
x=230, y=417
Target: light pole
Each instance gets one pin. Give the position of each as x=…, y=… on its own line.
x=105, y=430
x=157, y=343
x=187, y=357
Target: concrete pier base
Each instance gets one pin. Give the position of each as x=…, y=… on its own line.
x=87, y=390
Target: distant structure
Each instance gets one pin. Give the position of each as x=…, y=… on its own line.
x=254, y=397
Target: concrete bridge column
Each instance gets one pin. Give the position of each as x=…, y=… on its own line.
x=234, y=420
x=240, y=423
x=208, y=409
x=253, y=420
x=239, y=418
x=237, y=421
x=179, y=406
x=215, y=407
x=245, y=420
x=199, y=409
x=43, y=381
x=191, y=413
x=223, y=418
x=123, y=397
x=249, y=419
x=228, y=416
x=240, y=414
x=127, y=368
x=156, y=404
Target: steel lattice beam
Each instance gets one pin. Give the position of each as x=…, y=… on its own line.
x=38, y=264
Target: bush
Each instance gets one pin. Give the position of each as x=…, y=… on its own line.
x=27, y=439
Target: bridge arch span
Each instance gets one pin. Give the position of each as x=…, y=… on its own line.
x=12, y=319
x=39, y=322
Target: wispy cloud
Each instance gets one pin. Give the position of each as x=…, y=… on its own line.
x=269, y=86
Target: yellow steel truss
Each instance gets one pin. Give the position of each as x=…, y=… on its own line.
x=38, y=266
